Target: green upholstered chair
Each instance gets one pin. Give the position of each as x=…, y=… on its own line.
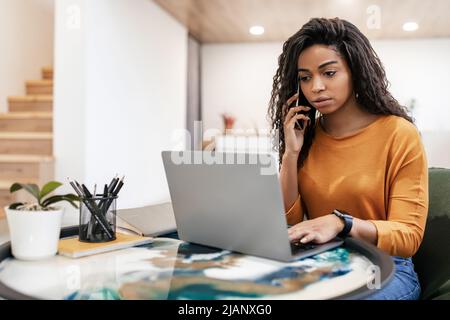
x=432, y=261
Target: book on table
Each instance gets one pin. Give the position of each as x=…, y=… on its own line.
x=153, y=220
x=73, y=248
x=135, y=226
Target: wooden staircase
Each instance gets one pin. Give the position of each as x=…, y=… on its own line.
x=26, y=138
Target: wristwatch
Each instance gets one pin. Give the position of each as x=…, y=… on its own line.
x=348, y=222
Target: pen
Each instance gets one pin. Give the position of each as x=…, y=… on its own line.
x=81, y=196
x=119, y=186
x=78, y=185
x=113, y=185
x=91, y=225
x=107, y=191
x=114, y=194
x=86, y=191
x=75, y=187
x=105, y=195
x=93, y=208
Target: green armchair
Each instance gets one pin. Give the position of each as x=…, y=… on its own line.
x=432, y=261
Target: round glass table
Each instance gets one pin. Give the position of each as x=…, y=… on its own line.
x=172, y=269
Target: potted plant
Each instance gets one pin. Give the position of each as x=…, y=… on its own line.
x=228, y=121
x=35, y=227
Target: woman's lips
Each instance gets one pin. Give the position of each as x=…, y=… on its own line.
x=323, y=103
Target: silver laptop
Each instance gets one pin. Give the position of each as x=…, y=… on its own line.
x=232, y=204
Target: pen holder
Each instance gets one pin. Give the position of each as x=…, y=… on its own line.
x=98, y=219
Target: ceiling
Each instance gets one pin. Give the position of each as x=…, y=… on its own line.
x=222, y=21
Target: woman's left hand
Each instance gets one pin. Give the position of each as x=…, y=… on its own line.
x=319, y=230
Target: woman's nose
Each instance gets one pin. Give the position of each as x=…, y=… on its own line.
x=318, y=85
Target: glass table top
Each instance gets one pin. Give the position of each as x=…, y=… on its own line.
x=172, y=269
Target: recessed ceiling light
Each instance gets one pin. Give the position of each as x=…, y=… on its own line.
x=257, y=30
x=410, y=26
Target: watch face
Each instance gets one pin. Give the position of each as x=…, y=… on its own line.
x=348, y=222
x=338, y=213
x=341, y=213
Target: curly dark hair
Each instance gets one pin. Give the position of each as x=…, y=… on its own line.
x=368, y=76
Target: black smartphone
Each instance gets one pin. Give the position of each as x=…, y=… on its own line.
x=298, y=126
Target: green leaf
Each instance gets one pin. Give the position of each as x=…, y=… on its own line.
x=15, y=205
x=71, y=198
x=15, y=187
x=31, y=188
x=49, y=187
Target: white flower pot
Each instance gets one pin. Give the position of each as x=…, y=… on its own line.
x=34, y=234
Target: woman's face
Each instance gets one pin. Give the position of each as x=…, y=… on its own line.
x=325, y=78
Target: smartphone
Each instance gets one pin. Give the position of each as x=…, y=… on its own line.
x=297, y=103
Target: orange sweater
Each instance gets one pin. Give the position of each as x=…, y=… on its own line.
x=378, y=173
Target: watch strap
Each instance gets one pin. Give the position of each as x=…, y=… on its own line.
x=348, y=223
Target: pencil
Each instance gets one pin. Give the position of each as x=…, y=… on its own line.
x=95, y=211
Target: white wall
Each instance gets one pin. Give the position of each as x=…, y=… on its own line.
x=26, y=33
x=238, y=78
x=69, y=94
x=420, y=69
x=130, y=62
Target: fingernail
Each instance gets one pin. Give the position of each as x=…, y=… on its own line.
x=303, y=240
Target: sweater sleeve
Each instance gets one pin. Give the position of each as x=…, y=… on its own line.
x=401, y=234
x=295, y=214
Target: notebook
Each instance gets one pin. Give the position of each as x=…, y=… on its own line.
x=73, y=248
x=152, y=221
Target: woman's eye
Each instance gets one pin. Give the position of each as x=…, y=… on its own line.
x=306, y=78
x=330, y=73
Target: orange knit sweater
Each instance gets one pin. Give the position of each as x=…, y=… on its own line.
x=378, y=173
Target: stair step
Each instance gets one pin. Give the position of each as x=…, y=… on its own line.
x=47, y=73
x=26, y=121
x=30, y=103
x=39, y=87
x=25, y=168
x=37, y=143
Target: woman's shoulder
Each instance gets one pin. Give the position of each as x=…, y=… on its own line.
x=401, y=132
x=401, y=127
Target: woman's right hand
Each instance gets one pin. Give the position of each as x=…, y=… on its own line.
x=293, y=138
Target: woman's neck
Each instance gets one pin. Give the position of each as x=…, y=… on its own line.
x=349, y=118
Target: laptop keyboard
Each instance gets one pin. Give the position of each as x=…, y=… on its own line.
x=300, y=247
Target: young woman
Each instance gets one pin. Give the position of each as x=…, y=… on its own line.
x=351, y=160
